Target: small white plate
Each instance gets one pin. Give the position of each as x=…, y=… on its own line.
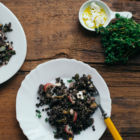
x=37, y=129
x=19, y=44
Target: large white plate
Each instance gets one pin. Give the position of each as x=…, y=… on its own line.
x=37, y=129
x=20, y=44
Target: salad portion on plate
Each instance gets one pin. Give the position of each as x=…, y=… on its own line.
x=16, y=44
x=70, y=108
x=6, y=48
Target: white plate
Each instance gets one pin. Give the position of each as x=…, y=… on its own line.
x=37, y=129
x=19, y=44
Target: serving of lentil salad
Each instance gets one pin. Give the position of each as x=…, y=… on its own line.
x=70, y=108
x=6, y=48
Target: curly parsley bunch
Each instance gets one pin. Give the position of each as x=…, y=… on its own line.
x=121, y=39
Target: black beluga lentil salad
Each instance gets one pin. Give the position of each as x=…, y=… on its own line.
x=70, y=108
x=6, y=48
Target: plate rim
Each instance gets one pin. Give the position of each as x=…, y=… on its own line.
x=1, y=4
x=53, y=61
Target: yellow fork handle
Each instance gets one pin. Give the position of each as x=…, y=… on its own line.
x=113, y=129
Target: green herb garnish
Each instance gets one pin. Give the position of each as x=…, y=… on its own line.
x=54, y=132
x=79, y=132
x=46, y=120
x=69, y=103
x=6, y=57
x=85, y=98
x=13, y=52
x=38, y=114
x=60, y=120
x=38, y=111
x=121, y=39
x=70, y=81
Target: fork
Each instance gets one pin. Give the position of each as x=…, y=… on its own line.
x=107, y=120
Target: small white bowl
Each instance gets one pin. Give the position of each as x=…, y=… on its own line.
x=110, y=14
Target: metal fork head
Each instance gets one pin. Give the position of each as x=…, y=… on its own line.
x=96, y=96
x=97, y=100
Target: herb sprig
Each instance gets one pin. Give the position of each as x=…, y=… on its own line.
x=54, y=132
x=38, y=113
x=69, y=81
x=85, y=98
x=121, y=39
x=46, y=120
x=69, y=103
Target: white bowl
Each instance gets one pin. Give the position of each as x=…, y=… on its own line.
x=19, y=44
x=110, y=14
x=37, y=129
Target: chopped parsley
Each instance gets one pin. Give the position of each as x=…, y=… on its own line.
x=79, y=132
x=69, y=103
x=70, y=81
x=39, y=116
x=6, y=57
x=85, y=98
x=46, y=120
x=38, y=111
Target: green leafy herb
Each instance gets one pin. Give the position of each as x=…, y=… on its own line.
x=54, y=132
x=39, y=116
x=38, y=111
x=79, y=132
x=70, y=81
x=6, y=57
x=60, y=120
x=69, y=103
x=121, y=39
x=46, y=120
x=13, y=52
x=85, y=98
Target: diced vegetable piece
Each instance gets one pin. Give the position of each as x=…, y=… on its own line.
x=75, y=116
x=47, y=86
x=68, y=129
